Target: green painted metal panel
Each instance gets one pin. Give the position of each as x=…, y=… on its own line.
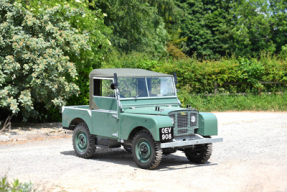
x=207, y=124
x=152, y=111
x=69, y=114
x=104, y=124
x=106, y=103
x=150, y=101
x=128, y=122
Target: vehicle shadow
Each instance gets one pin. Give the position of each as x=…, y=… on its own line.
x=120, y=156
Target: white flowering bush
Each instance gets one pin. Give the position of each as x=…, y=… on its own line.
x=34, y=66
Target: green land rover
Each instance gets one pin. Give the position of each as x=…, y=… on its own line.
x=139, y=110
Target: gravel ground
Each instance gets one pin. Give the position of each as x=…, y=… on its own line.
x=252, y=157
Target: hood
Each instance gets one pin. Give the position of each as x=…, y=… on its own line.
x=152, y=111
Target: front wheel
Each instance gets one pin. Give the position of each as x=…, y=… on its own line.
x=199, y=154
x=146, y=152
x=83, y=141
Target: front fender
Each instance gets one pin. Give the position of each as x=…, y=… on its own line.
x=207, y=124
x=151, y=122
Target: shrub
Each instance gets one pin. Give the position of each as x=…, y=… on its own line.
x=35, y=69
x=15, y=186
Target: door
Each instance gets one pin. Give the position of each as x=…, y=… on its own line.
x=105, y=112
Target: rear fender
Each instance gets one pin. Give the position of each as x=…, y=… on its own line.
x=72, y=116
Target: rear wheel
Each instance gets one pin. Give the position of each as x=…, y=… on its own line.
x=146, y=152
x=83, y=141
x=199, y=154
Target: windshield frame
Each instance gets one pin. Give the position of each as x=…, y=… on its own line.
x=151, y=97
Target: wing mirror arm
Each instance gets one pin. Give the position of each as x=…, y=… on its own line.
x=175, y=78
x=115, y=84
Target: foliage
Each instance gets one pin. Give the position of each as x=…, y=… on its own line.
x=254, y=28
x=175, y=52
x=15, y=186
x=35, y=69
x=89, y=22
x=131, y=60
x=242, y=28
x=206, y=24
x=200, y=76
x=136, y=25
x=251, y=102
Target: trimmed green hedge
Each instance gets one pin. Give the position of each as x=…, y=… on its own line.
x=198, y=77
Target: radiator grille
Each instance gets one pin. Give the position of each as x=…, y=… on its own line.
x=182, y=122
x=182, y=131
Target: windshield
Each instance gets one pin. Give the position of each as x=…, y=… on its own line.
x=146, y=87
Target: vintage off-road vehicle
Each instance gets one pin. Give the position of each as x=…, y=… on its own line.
x=139, y=110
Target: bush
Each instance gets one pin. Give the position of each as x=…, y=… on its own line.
x=200, y=76
x=15, y=186
x=35, y=70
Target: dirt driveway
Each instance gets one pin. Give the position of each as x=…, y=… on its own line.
x=253, y=157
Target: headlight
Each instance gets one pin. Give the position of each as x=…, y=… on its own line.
x=172, y=119
x=192, y=119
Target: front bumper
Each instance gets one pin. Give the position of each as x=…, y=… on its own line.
x=190, y=140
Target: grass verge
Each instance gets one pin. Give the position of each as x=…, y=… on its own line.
x=249, y=102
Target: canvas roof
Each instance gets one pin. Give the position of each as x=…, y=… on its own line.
x=126, y=72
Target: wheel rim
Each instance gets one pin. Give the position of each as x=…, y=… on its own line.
x=143, y=150
x=81, y=141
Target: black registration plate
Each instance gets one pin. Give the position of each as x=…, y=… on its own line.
x=166, y=133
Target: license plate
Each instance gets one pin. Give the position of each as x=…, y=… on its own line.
x=166, y=133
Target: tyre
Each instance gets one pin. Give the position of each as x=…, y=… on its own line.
x=128, y=148
x=83, y=141
x=199, y=154
x=146, y=152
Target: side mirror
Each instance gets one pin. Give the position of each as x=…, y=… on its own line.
x=113, y=86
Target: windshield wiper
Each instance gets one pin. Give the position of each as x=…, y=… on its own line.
x=139, y=94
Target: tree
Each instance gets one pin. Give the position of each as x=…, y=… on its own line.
x=206, y=24
x=88, y=21
x=35, y=67
x=279, y=23
x=253, y=29
x=136, y=25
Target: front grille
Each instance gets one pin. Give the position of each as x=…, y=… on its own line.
x=182, y=122
x=182, y=131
